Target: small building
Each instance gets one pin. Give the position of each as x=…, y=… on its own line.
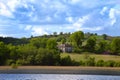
x=65, y=48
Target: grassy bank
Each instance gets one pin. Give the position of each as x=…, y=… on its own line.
x=78, y=57
x=60, y=70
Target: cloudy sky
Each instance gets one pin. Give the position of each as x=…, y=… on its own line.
x=23, y=18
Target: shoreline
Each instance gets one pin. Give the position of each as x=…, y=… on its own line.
x=60, y=70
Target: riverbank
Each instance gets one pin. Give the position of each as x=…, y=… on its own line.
x=60, y=70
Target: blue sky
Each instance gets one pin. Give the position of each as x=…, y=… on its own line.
x=23, y=18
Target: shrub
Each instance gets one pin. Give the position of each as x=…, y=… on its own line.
x=9, y=62
x=117, y=64
x=20, y=62
x=66, y=61
x=100, y=63
x=14, y=66
x=90, y=62
x=109, y=63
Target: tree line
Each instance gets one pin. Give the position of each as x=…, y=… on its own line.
x=43, y=50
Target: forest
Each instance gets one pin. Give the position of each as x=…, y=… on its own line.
x=43, y=50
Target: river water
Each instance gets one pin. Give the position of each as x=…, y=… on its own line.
x=56, y=77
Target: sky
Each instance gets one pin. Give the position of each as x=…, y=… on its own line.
x=23, y=18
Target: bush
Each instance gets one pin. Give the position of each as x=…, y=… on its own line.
x=9, y=62
x=100, y=63
x=81, y=63
x=20, y=62
x=90, y=62
x=109, y=63
x=14, y=66
x=117, y=64
x=66, y=61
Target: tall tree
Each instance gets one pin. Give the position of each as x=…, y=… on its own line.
x=51, y=44
x=90, y=45
x=3, y=53
x=102, y=46
x=115, y=46
x=77, y=38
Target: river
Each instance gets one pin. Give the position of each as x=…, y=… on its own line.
x=56, y=77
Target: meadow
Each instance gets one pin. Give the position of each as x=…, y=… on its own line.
x=84, y=55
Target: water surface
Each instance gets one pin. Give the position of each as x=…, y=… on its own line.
x=56, y=77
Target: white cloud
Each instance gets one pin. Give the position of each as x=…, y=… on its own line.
x=3, y=35
x=69, y=19
x=4, y=11
x=112, y=16
x=28, y=27
x=38, y=31
x=79, y=23
x=103, y=10
x=92, y=29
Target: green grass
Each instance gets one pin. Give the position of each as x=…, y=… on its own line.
x=78, y=57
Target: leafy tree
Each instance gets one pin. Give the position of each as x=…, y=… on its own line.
x=63, y=41
x=104, y=36
x=27, y=53
x=47, y=57
x=51, y=44
x=38, y=42
x=115, y=46
x=90, y=45
x=102, y=46
x=55, y=34
x=77, y=38
x=3, y=53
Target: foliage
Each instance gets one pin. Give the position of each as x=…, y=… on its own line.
x=102, y=46
x=43, y=50
x=66, y=61
x=52, y=44
x=14, y=66
x=47, y=57
x=109, y=63
x=3, y=53
x=115, y=46
x=77, y=38
x=100, y=63
x=90, y=61
x=90, y=45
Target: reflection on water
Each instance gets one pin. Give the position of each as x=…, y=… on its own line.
x=55, y=77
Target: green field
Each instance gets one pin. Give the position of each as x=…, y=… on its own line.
x=78, y=57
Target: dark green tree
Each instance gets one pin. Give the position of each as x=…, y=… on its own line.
x=102, y=46
x=90, y=45
x=77, y=38
x=51, y=44
x=115, y=46
x=4, y=55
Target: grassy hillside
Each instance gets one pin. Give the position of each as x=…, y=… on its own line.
x=78, y=57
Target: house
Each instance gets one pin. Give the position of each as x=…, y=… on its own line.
x=65, y=48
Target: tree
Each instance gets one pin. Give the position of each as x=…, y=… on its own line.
x=27, y=54
x=55, y=34
x=63, y=41
x=77, y=38
x=104, y=36
x=102, y=46
x=90, y=45
x=38, y=42
x=47, y=57
x=51, y=44
x=61, y=33
x=3, y=53
x=115, y=46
